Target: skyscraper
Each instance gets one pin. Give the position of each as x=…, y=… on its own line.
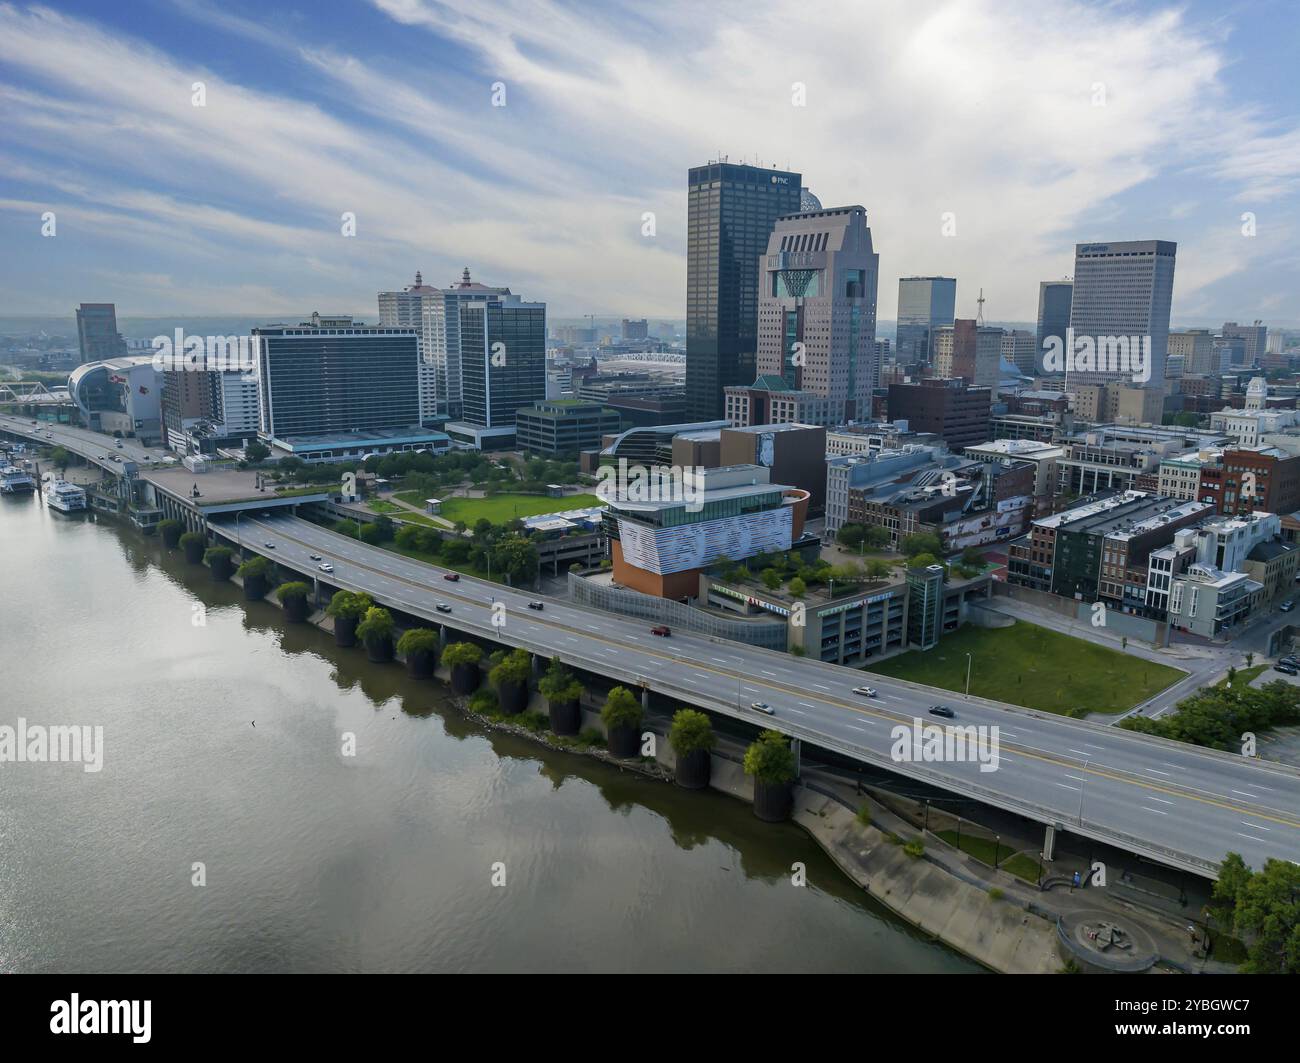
x=97, y=332
x=967, y=350
x=924, y=305
x=1122, y=292
x=1054, y=298
x=434, y=314
x=816, y=321
x=730, y=213
x=502, y=361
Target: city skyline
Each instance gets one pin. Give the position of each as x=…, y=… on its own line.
x=1149, y=123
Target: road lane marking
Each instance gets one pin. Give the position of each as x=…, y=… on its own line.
x=1156, y=811
x=1099, y=771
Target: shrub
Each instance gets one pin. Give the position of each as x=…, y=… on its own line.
x=798, y=588
x=461, y=653
x=915, y=848
x=418, y=640
x=864, y=815
x=378, y=624
x=559, y=684
x=216, y=553
x=622, y=709
x=255, y=567
x=996, y=893
x=348, y=605
x=512, y=668
x=483, y=700
x=770, y=759
x=296, y=589
x=691, y=730
x=191, y=537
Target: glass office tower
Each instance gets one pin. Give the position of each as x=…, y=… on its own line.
x=924, y=304
x=731, y=210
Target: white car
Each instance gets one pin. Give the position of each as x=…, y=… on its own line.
x=866, y=692
x=326, y=567
x=763, y=707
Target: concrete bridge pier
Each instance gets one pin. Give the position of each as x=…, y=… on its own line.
x=1049, y=842
x=645, y=698
x=796, y=747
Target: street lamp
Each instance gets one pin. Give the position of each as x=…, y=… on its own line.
x=968, y=664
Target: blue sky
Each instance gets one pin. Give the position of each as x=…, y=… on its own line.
x=1034, y=124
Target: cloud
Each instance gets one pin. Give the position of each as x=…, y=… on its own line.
x=1037, y=125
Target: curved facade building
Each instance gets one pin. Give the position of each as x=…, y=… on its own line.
x=119, y=395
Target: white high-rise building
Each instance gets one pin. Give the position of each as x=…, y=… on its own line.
x=434, y=313
x=1122, y=292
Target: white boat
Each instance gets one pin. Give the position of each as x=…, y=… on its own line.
x=14, y=481
x=64, y=496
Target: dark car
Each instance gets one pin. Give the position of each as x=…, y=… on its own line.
x=536, y=605
x=269, y=546
x=1286, y=669
x=662, y=629
x=453, y=576
x=316, y=557
x=443, y=607
x=942, y=710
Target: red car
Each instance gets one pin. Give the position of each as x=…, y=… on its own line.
x=453, y=576
x=662, y=629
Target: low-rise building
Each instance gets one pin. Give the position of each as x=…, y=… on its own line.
x=562, y=427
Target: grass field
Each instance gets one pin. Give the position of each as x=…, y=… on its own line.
x=989, y=851
x=503, y=508
x=1034, y=667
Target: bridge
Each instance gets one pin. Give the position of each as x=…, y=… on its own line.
x=1170, y=802
x=1173, y=803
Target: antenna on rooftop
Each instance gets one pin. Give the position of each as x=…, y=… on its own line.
x=979, y=317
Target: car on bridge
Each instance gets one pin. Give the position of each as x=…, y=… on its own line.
x=942, y=710
x=316, y=557
x=866, y=692
x=269, y=546
x=537, y=606
x=453, y=577
x=763, y=707
x=663, y=629
x=326, y=567
x=443, y=607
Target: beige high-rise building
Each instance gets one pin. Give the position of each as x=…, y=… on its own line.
x=968, y=350
x=1196, y=346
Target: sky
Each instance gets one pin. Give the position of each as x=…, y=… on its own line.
x=545, y=145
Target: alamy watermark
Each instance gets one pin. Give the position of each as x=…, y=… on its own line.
x=61, y=744
x=928, y=743
x=626, y=482
x=204, y=354
x=1098, y=354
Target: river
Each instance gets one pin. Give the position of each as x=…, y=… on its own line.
x=223, y=747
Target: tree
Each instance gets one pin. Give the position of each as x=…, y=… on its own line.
x=798, y=588
x=921, y=543
x=877, y=569
x=621, y=709
x=973, y=557
x=60, y=458
x=409, y=537
x=456, y=552
x=256, y=451
x=924, y=560
x=770, y=759
x=771, y=578
x=515, y=557
x=877, y=537
x=370, y=534
x=851, y=535
x=1262, y=907
x=691, y=730
x=255, y=568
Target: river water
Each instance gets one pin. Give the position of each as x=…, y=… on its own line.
x=223, y=747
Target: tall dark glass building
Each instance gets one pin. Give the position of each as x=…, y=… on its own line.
x=502, y=360
x=731, y=211
x=1054, y=299
x=333, y=377
x=925, y=305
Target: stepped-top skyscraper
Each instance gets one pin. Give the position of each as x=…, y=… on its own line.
x=925, y=304
x=1122, y=291
x=731, y=210
x=816, y=323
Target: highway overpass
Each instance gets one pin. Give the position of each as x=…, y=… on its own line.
x=1173, y=803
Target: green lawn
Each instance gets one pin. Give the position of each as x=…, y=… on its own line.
x=1244, y=676
x=500, y=509
x=1034, y=667
x=987, y=852
x=378, y=505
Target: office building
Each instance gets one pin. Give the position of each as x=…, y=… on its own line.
x=332, y=377
x=924, y=304
x=1121, y=298
x=1196, y=346
x=794, y=454
x=1054, y=299
x=952, y=410
x=1254, y=340
x=968, y=351
x=816, y=322
x=636, y=330
x=97, y=333
x=731, y=210
x=562, y=427
x=502, y=365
